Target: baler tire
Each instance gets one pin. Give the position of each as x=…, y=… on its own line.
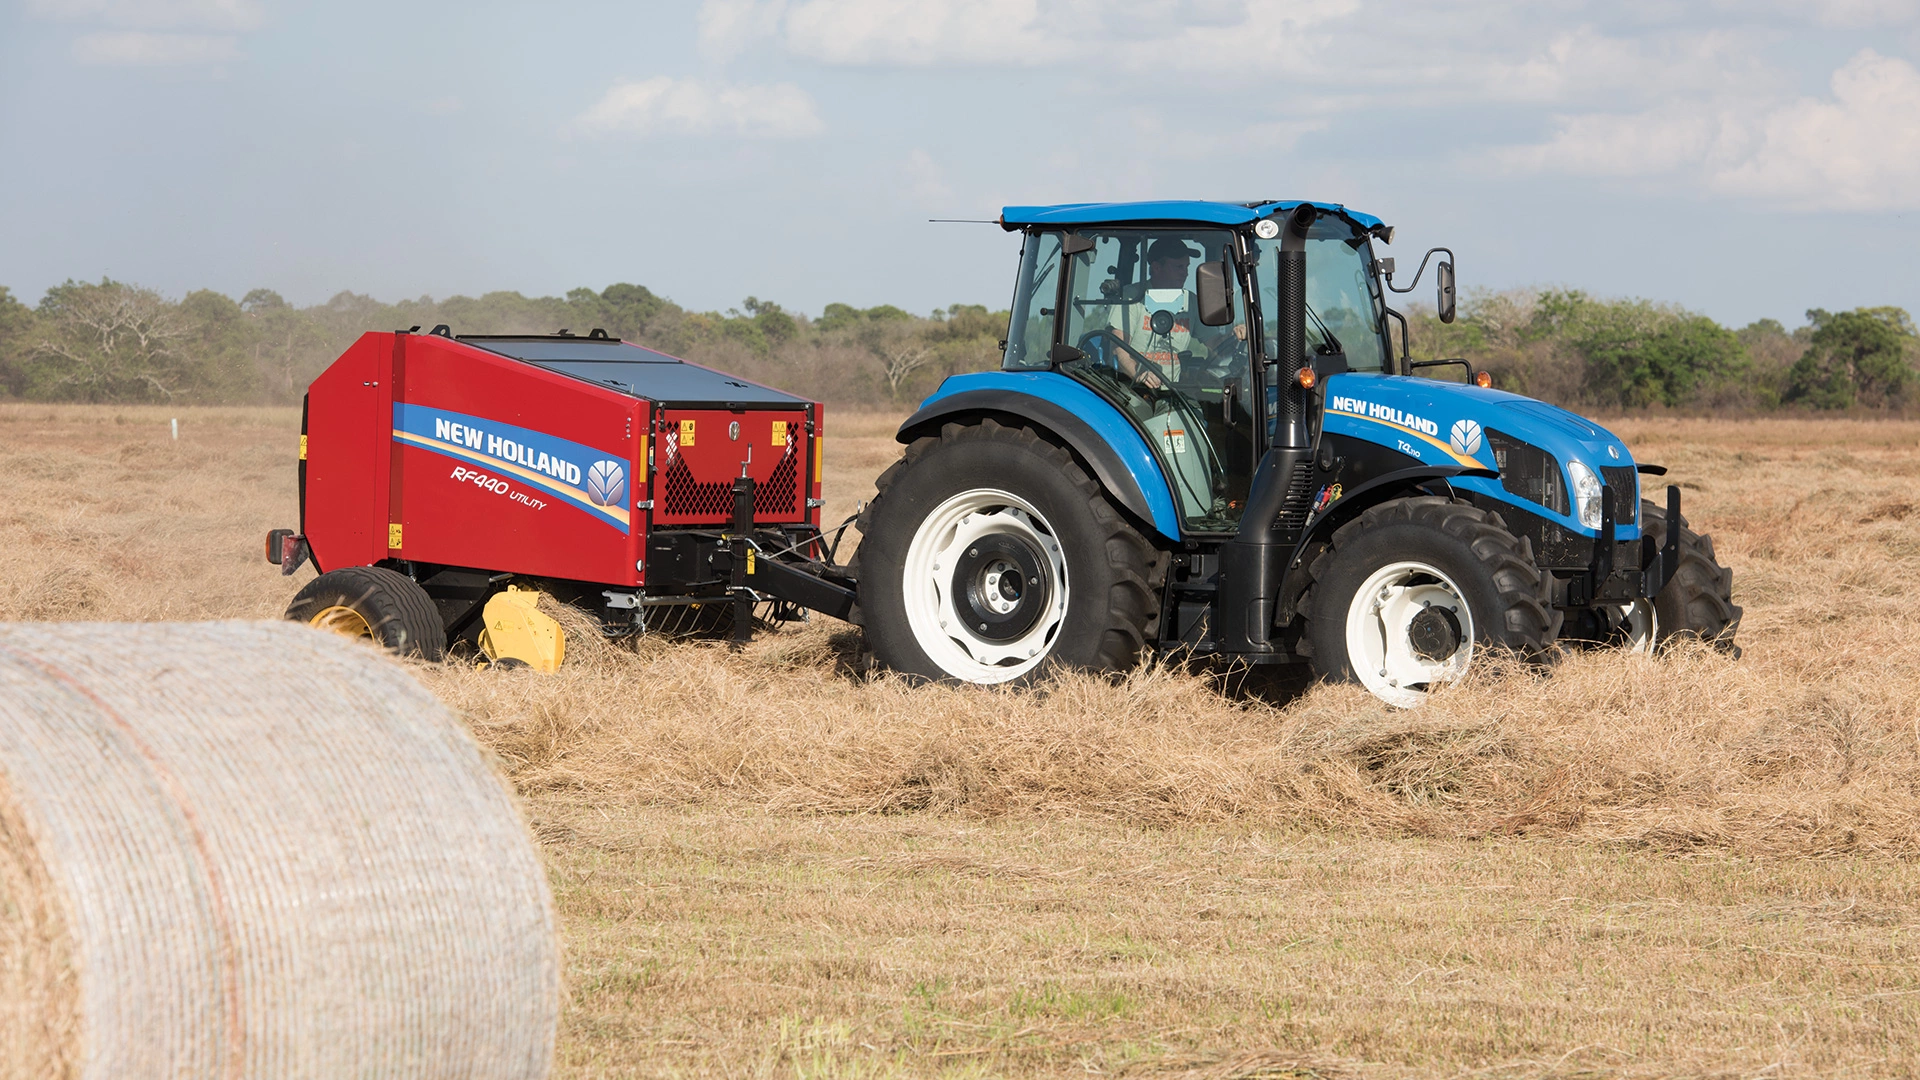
x=391, y=608
x=1105, y=563
x=1468, y=552
x=1697, y=601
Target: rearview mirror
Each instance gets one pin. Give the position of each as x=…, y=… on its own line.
x=1210, y=287
x=1445, y=275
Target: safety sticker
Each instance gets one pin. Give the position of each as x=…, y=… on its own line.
x=779, y=432
x=686, y=434
x=1176, y=440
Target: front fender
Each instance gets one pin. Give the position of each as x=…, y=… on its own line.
x=1097, y=432
x=1376, y=490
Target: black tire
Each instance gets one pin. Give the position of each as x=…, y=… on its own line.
x=1109, y=566
x=390, y=607
x=1698, y=600
x=1505, y=593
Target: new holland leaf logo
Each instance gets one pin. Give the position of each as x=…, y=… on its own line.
x=1466, y=437
x=606, y=483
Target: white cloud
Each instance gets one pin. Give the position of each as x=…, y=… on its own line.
x=916, y=32
x=1186, y=34
x=1845, y=13
x=727, y=27
x=155, y=33
x=926, y=181
x=664, y=105
x=1859, y=149
x=138, y=48
x=229, y=15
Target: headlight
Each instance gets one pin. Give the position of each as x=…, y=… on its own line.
x=1586, y=494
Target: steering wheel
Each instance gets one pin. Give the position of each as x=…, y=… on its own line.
x=1146, y=373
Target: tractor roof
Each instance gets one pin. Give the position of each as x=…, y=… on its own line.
x=1210, y=213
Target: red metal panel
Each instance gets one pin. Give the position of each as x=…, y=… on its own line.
x=510, y=467
x=347, y=442
x=698, y=453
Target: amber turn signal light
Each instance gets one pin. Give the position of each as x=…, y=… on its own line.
x=1307, y=378
x=1483, y=379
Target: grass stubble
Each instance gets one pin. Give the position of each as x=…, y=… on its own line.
x=771, y=864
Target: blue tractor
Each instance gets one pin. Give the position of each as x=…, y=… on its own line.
x=1202, y=440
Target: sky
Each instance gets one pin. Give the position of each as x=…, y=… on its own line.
x=1747, y=159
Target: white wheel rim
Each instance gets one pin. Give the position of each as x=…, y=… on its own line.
x=933, y=608
x=1380, y=620
x=1638, y=625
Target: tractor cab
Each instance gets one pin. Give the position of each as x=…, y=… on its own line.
x=1164, y=320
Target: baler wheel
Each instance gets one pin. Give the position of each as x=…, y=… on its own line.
x=376, y=603
x=988, y=555
x=1414, y=589
x=1698, y=600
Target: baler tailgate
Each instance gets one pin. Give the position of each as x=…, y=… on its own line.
x=698, y=453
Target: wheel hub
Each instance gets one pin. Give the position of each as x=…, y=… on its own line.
x=1408, y=629
x=1001, y=586
x=1434, y=633
x=341, y=620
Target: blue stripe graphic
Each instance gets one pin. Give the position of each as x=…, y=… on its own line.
x=551, y=464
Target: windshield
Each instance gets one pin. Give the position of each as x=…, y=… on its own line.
x=1343, y=298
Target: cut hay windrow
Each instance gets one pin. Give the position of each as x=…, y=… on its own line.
x=255, y=850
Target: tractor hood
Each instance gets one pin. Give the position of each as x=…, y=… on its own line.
x=1449, y=419
x=1447, y=423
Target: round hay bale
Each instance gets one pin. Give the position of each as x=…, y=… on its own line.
x=256, y=850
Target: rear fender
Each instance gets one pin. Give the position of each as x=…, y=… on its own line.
x=1097, y=433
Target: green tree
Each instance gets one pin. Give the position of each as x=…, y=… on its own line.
x=1863, y=356
x=16, y=330
x=219, y=342
x=110, y=342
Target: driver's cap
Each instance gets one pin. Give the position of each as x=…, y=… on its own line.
x=1168, y=248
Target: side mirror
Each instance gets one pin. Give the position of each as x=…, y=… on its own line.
x=1445, y=276
x=1210, y=287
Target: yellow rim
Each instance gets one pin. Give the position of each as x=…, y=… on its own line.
x=342, y=620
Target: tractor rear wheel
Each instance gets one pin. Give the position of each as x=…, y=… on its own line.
x=989, y=556
x=1413, y=590
x=1698, y=600
x=376, y=603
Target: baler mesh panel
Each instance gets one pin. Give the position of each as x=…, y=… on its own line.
x=777, y=494
x=251, y=850
x=686, y=497
x=682, y=496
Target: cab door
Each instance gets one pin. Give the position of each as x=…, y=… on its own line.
x=1128, y=318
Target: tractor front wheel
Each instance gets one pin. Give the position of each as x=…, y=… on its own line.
x=1414, y=589
x=1697, y=601
x=988, y=556
x=373, y=602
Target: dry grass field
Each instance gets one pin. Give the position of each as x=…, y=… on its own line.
x=770, y=865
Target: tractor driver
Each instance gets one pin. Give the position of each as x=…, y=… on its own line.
x=1161, y=322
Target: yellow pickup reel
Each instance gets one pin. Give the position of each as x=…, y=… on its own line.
x=516, y=633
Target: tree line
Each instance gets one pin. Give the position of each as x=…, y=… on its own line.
x=1568, y=347
x=110, y=341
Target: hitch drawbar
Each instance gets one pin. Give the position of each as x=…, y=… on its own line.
x=756, y=575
